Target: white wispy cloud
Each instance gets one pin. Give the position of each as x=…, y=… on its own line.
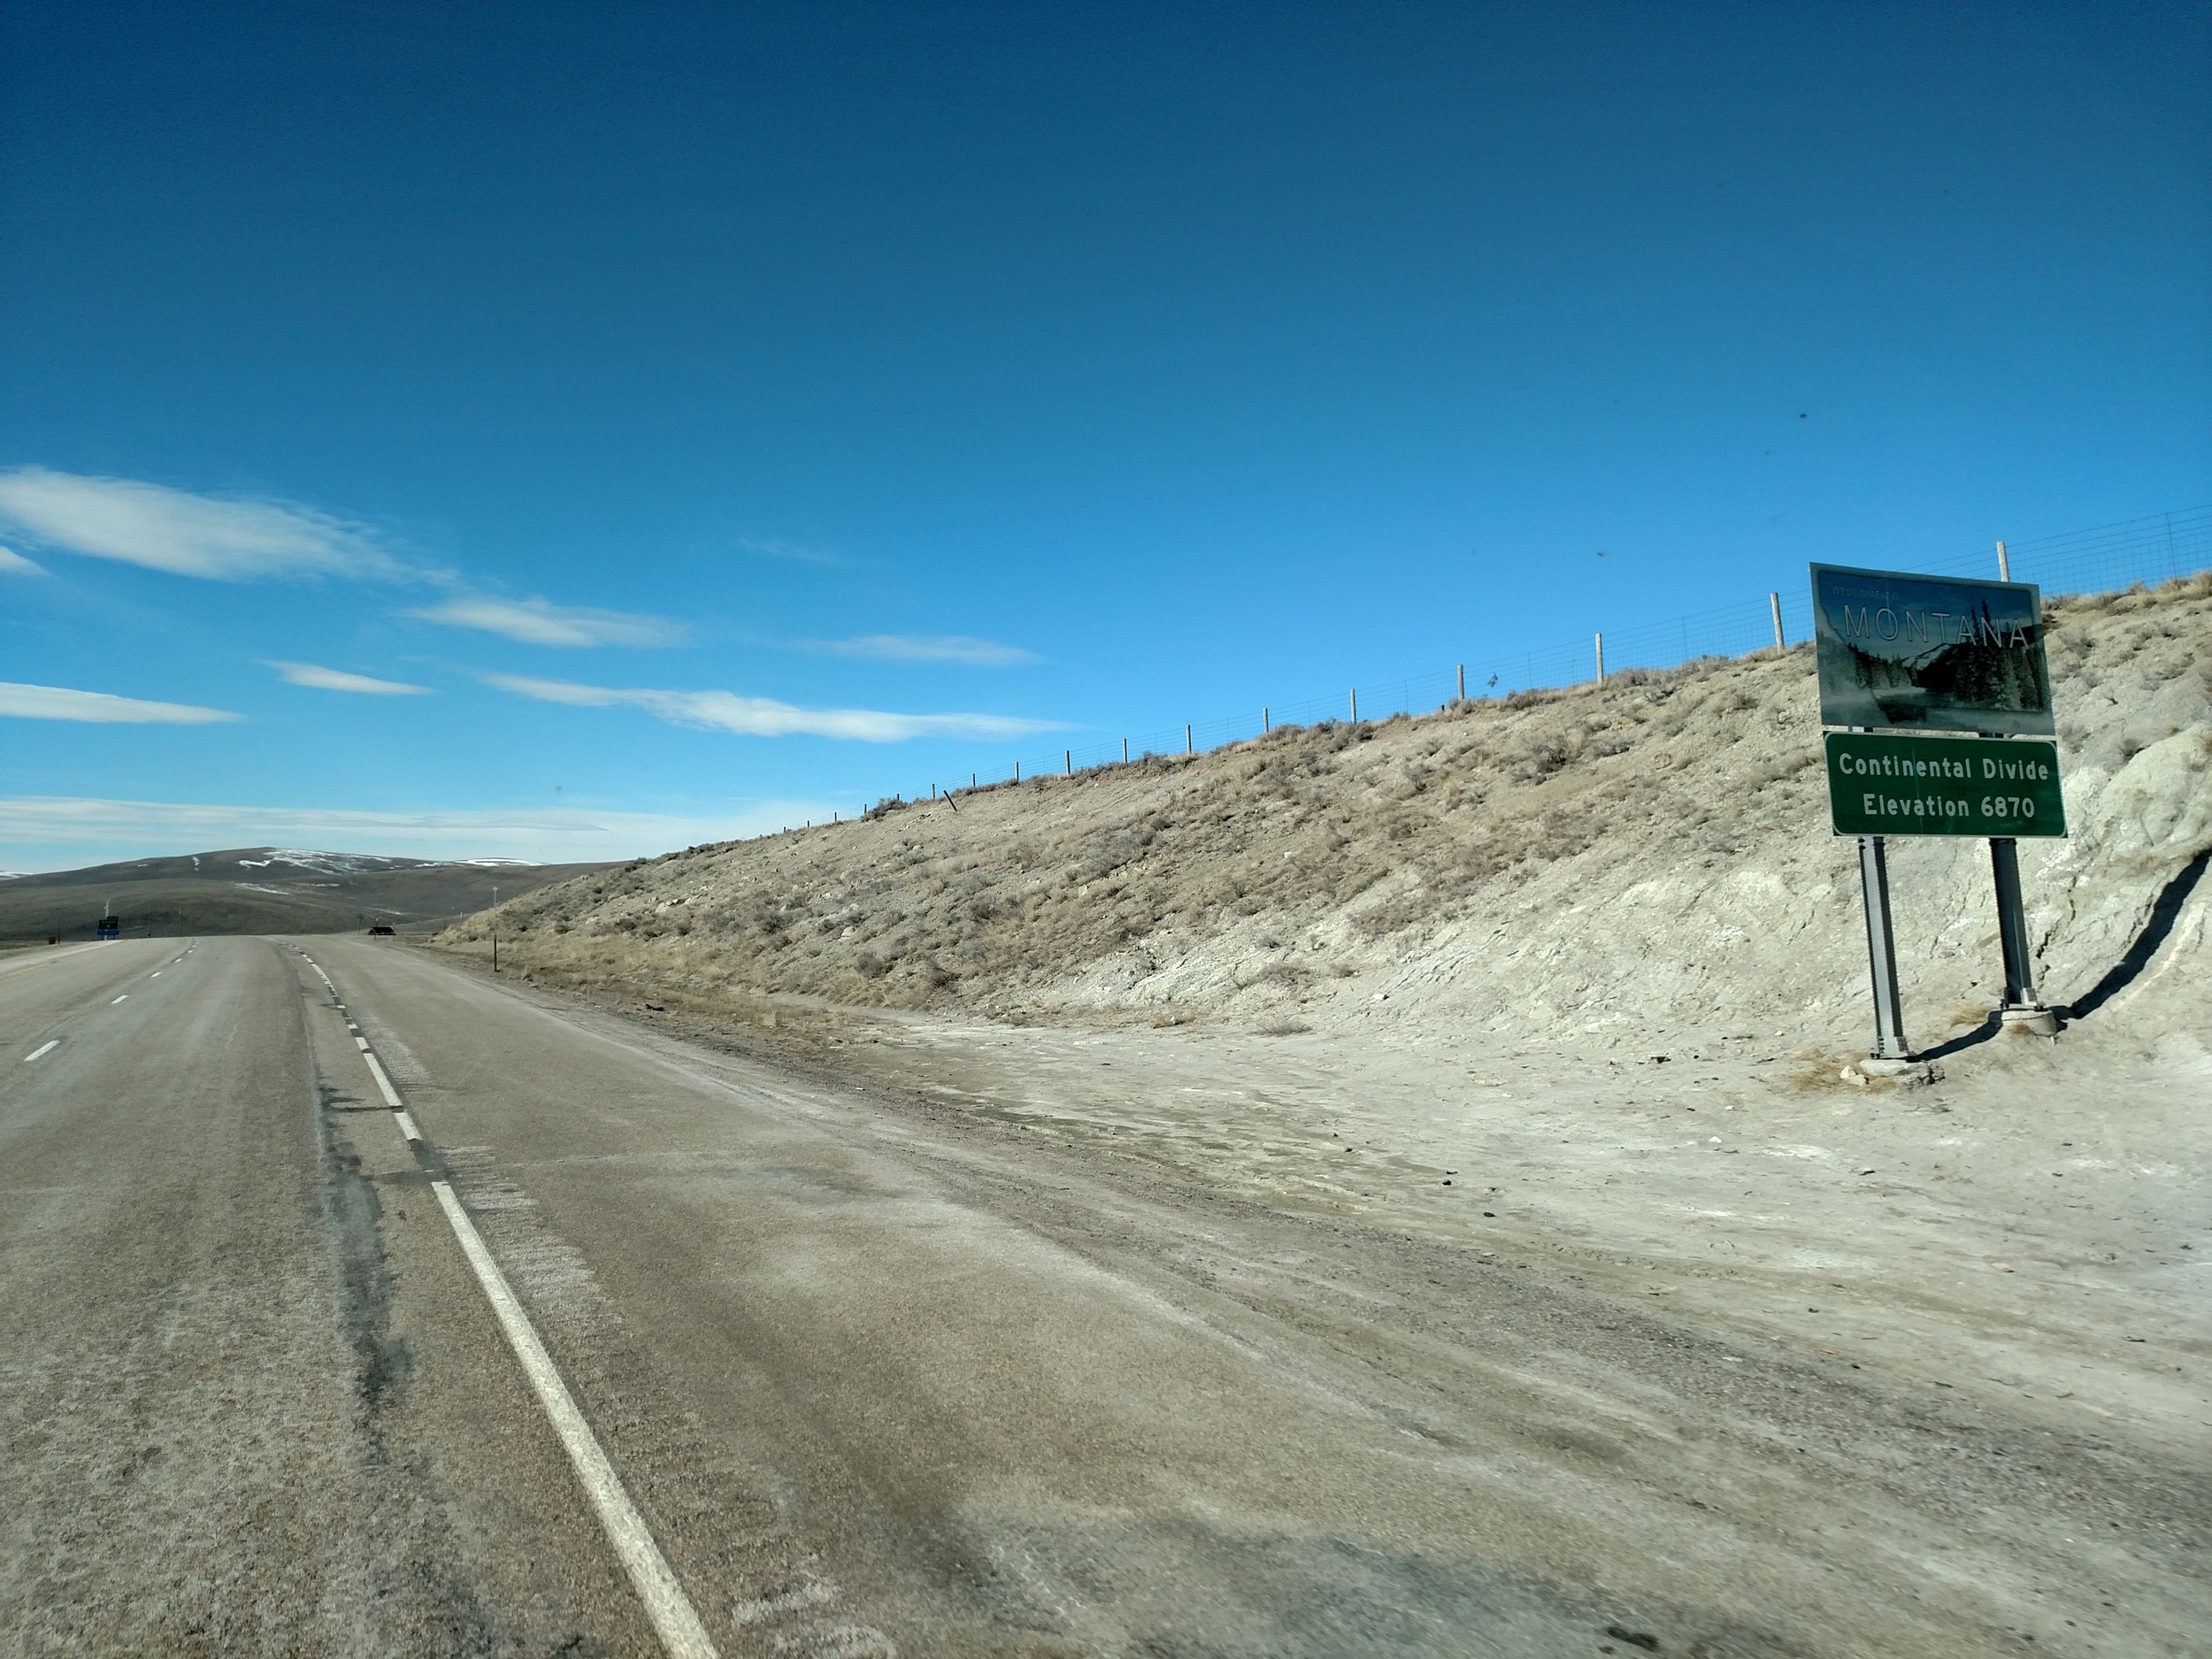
x=224, y=538
x=768, y=547
x=61, y=831
x=540, y=622
x=764, y=717
x=174, y=530
x=338, y=679
x=930, y=648
x=59, y=702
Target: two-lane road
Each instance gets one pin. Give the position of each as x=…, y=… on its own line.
x=866, y=1379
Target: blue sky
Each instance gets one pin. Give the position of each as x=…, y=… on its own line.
x=724, y=415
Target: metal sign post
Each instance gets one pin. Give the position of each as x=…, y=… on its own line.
x=1881, y=952
x=2022, y=1006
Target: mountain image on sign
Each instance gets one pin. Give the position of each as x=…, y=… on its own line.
x=1930, y=653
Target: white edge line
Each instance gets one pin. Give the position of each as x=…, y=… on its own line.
x=43, y=1050
x=391, y=1095
x=674, y=1619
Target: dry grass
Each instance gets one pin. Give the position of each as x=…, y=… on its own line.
x=921, y=903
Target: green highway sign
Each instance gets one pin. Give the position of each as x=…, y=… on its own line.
x=1882, y=785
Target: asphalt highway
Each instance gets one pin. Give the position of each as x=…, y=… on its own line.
x=350, y=1303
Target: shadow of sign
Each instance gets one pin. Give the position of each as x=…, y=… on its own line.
x=1929, y=653
x=2156, y=930
x=2163, y=915
x=1975, y=1038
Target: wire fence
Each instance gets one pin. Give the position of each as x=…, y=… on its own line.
x=2156, y=549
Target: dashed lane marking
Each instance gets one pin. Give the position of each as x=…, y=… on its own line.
x=674, y=1619
x=43, y=1050
x=123, y=998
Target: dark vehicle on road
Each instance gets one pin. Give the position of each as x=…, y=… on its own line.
x=381, y=930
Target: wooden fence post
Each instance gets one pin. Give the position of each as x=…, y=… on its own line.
x=1067, y=763
x=1354, y=705
x=1601, y=638
x=1774, y=604
x=1187, y=749
x=1462, y=682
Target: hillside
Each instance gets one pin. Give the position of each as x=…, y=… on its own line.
x=1588, y=867
x=260, y=890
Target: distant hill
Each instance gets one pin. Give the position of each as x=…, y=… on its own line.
x=263, y=890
